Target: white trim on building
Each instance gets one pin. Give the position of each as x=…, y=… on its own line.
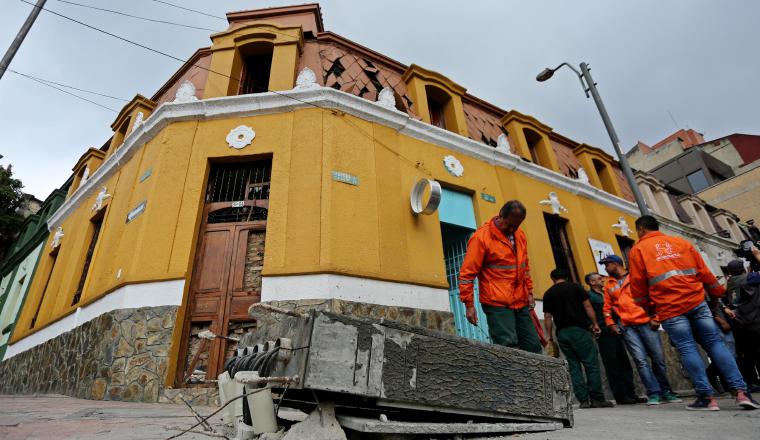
x=330, y=286
x=327, y=98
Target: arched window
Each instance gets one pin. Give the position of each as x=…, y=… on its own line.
x=437, y=101
x=605, y=176
x=255, y=67
x=533, y=140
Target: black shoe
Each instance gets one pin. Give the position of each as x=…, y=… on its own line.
x=626, y=400
x=601, y=404
x=640, y=399
x=585, y=404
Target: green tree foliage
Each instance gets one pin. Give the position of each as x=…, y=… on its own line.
x=11, y=199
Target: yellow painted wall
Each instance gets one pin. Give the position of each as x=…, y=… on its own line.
x=315, y=225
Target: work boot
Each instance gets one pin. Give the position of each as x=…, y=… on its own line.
x=744, y=400
x=704, y=404
x=671, y=397
x=601, y=404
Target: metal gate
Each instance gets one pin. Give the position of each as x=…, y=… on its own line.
x=453, y=256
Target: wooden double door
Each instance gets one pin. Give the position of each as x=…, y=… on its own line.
x=226, y=277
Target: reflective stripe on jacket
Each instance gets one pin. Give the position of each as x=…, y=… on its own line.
x=668, y=273
x=502, y=271
x=618, y=300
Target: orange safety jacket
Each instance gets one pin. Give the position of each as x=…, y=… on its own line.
x=618, y=300
x=669, y=274
x=502, y=270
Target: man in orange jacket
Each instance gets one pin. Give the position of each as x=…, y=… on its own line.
x=669, y=277
x=497, y=256
x=640, y=332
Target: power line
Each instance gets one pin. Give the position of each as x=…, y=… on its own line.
x=191, y=10
x=370, y=136
x=67, y=86
x=106, y=32
x=138, y=17
x=62, y=90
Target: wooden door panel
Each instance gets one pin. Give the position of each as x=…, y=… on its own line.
x=240, y=305
x=206, y=306
x=212, y=271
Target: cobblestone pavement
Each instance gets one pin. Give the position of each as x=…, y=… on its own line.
x=61, y=417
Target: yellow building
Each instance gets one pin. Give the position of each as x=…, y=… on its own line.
x=278, y=165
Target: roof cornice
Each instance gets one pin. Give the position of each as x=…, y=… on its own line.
x=327, y=98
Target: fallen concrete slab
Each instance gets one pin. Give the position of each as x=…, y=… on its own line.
x=429, y=376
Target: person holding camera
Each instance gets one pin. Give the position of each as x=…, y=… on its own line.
x=741, y=306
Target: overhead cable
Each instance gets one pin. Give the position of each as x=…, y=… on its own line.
x=138, y=17
x=67, y=86
x=62, y=90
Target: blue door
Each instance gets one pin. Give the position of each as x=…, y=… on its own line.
x=457, y=225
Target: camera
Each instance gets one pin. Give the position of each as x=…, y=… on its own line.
x=745, y=251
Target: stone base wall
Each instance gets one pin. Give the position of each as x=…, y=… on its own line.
x=120, y=355
x=428, y=319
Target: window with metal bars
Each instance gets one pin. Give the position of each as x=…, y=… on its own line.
x=240, y=184
x=560, y=242
x=88, y=259
x=230, y=182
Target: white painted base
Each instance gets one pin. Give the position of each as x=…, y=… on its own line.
x=328, y=286
x=162, y=293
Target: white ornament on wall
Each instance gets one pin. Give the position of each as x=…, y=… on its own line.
x=453, y=166
x=85, y=177
x=185, y=92
x=102, y=196
x=138, y=120
x=307, y=79
x=57, y=237
x=240, y=136
x=582, y=176
x=502, y=144
x=386, y=98
x=625, y=230
x=553, y=201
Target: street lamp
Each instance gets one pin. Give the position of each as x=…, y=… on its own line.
x=589, y=86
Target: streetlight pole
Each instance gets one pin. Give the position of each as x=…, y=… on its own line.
x=589, y=86
x=6, y=61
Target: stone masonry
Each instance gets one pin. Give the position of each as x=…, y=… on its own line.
x=120, y=355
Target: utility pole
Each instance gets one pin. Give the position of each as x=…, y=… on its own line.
x=589, y=86
x=8, y=57
x=586, y=74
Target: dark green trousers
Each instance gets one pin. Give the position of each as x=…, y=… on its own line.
x=616, y=364
x=512, y=328
x=579, y=349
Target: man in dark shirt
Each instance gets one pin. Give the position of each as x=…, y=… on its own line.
x=567, y=305
x=615, y=359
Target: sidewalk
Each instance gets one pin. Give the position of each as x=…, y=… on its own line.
x=61, y=417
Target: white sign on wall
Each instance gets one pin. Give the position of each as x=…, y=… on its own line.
x=600, y=249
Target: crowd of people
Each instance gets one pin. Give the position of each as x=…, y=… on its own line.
x=621, y=317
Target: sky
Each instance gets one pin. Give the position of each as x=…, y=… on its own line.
x=659, y=65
